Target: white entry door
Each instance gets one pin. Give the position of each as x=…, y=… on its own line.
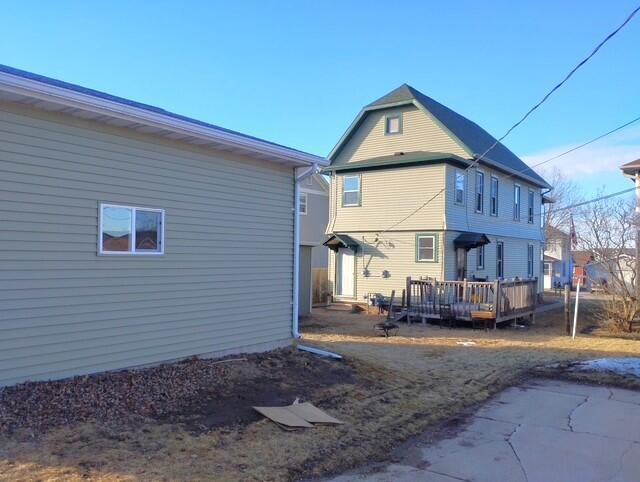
x=548, y=276
x=345, y=272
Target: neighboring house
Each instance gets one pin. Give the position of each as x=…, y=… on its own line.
x=130, y=235
x=558, y=263
x=314, y=214
x=402, y=203
x=601, y=267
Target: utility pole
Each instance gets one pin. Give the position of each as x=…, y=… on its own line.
x=637, y=218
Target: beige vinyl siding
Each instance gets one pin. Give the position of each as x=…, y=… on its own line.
x=395, y=253
x=419, y=133
x=388, y=195
x=515, y=257
x=465, y=217
x=225, y=281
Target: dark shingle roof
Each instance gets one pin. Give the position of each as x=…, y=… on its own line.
x=474, y=137
x=399, y=159
x=121, y=100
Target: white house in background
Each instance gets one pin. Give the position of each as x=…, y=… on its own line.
x=558, y=262
x=130, y=235
x=314, y=256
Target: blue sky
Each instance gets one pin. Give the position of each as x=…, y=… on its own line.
x=298, y=72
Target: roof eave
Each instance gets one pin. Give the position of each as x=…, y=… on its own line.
x=41, y=91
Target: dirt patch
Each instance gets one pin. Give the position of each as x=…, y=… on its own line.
x=199, y=393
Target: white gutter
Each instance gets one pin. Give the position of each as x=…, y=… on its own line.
x=35, y=89
x=296, y=246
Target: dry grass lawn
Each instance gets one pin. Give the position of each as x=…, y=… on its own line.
x=402, y=385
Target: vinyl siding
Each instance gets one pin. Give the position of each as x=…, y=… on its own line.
x=419, y=133
x=387, y=196
x=515, y=258
x=64, y=310
x=395, y=253
x=465, y=217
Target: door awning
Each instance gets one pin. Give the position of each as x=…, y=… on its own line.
x=469, y=240
x=337, y=241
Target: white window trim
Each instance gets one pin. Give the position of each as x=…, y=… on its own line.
x=306, y=204
x=359, y=191
x=133, y=252
x=531, y=263
x=475, y=189
x=497, y=179
x=434, y=247
x=455, y=187
x=517, y=214
x=501, y=259
x=531, y=196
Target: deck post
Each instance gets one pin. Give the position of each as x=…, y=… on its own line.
x=497, y=303
x=408, y=300
x=393, y=294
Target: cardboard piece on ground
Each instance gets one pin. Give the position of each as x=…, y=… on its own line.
x=313, y=414
x=298, y=415
x=283, y=417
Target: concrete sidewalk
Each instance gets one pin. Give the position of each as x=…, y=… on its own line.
x=543, y=432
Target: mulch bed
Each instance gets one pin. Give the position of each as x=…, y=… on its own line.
x=198, y=393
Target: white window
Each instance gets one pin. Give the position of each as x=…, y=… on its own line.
x=131, y=230
x=479, y=192
x=303, y=203
x=480, y=257
x=516, y=203
x=499, y=259
x=309, y=181
x=493, y=208
x=351, y=191
x=530, y=261
x=547, y=269
x=393, y=124
x=460, y=182
x=426, y=247
x=530, y=199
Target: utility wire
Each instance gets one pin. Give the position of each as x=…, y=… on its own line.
x=529, y=112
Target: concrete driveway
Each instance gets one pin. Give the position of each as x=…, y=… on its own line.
x=545, y=431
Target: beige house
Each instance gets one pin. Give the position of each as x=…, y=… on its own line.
x=404, y=203
x=130, y=235
x=558, y=263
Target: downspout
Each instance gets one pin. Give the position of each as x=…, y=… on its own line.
x=296, y=246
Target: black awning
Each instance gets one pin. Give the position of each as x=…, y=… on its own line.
x=470, y=240
x=337, y=241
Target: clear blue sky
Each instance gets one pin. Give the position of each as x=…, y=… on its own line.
x=298, y=72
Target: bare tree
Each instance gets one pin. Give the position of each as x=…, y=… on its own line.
x=565, y=193
x=607, y=229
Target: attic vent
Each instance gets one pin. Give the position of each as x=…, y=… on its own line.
x=398, y=153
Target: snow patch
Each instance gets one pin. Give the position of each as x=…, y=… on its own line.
x=621, y=366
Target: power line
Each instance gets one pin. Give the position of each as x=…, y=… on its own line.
x=529, y=112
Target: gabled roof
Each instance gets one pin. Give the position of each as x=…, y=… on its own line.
x=554, y=233
x=473, y=138
x=50, y=94
x=630, y=168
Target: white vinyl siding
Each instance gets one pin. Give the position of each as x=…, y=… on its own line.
x=224, y=282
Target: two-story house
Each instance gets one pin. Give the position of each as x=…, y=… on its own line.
x=408, y=199
x=558, y=263
x=314, y=214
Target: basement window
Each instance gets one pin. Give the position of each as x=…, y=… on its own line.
x=128, y=230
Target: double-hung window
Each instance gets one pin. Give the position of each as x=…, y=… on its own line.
x=530, y=260
x=130, y=230
x=426, y=248
x=499, y=259
x=303, y=203
x=493, y=201
x=479, y=192
x=516, y=203
x=480, y=257
x=351, y=191
x=459, y=186
x=530, y=201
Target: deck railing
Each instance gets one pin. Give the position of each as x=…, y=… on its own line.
x=507, y=299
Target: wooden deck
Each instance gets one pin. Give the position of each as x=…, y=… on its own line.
x=502, y=300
